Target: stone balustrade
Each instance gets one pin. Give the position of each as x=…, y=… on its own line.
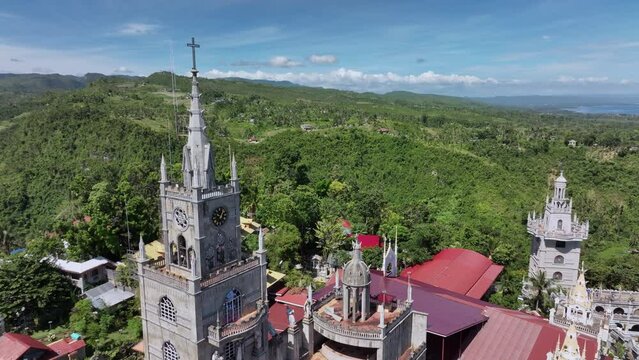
x=351, y=332
x=218, y=334
x=590, y=330
x=577, y=231
x=230, y=270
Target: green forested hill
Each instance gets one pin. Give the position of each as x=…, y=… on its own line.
x=449, y=172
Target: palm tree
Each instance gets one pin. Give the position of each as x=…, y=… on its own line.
x=541, y=288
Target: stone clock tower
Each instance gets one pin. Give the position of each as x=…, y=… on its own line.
x=204, y=299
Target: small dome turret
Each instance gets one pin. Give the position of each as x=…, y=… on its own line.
x=356, y=272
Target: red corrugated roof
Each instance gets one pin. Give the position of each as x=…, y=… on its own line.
x=369, y=241
x=293, y=298
x=514, y=335
x=460, y=270
x=66, y=346
x=13, y=346
x=278, y=316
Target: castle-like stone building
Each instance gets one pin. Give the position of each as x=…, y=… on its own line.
x=556, y=238
x=204, y=300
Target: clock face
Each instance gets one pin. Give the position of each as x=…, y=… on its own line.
x=219, y=216
x=181, y=219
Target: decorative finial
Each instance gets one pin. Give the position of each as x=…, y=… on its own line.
x=193, y=46
x=336, y=279
x=163, y=177
x=141, y=248
x=409, y=290
x=260, y=240
x=233, y=168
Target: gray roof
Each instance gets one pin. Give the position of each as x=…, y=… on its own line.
x=107, y=295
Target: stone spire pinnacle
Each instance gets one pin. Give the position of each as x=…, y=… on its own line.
x=163, y=178
x=141, y=249
x=198, y=148
x=260, y=240
x=409, y=290
x=233, y=168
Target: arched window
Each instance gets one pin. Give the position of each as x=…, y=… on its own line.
x=232, y=306
x=618, y=311
x=174, y=254
x=599, y=309
x=557, y=276
x=559, y=259
x=182, y=261
x=560, y=224
x=167, y=310
x=169, y=352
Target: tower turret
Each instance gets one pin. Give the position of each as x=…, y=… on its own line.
x=556, y=237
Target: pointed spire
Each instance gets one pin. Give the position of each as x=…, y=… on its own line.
x=233, y=168
x=409, y=290
x=396, y=254
x=163, y=178
x=336, y=287
x=384, y=256
x=260, y=240
x=141, y=249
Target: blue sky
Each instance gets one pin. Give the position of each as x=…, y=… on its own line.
x=447, y=47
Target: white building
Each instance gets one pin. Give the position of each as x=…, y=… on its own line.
x=556, y=238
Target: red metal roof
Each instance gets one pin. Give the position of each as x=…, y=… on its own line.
x=13, y=346
x=460, y=270
x=368, y=241
x=66, y=346
x=278, y=317
x=514, y=335
x=293, y=298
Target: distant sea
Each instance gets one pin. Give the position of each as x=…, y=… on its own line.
x=626, y=109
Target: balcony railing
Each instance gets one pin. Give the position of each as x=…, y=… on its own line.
x=336, y=328
x=230, y=270
x=218, y=334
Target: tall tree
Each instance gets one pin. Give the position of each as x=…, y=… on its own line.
x=33, y=292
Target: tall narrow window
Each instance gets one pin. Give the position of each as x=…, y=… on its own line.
x=169, y=352
x=560, y=224
x=232, y=306
x=230, y=350
x=182, y=261
x=167, y=310
x=174, y=253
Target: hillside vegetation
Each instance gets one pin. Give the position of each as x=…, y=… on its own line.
x=444, y=172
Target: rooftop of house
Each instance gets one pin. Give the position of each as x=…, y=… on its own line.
x=13, y=346
x=460, y=270
x=67, y=346
x=519, y=336
x=107, y=295
x=80, y=267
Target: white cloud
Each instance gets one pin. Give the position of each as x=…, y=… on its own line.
x=323, y=59
x=582, y=80
x=42, y=60
x=135, y=29
x=358, y=80
x=546, y=37
x=283, y=61
x=122, y=70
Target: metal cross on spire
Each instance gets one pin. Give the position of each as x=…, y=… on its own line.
x=193, y=45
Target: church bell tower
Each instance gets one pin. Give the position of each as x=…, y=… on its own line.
x=204, y=299
x=556, y=238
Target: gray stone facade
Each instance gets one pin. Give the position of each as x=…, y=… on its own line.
x=556, y=238
x=204, y=300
